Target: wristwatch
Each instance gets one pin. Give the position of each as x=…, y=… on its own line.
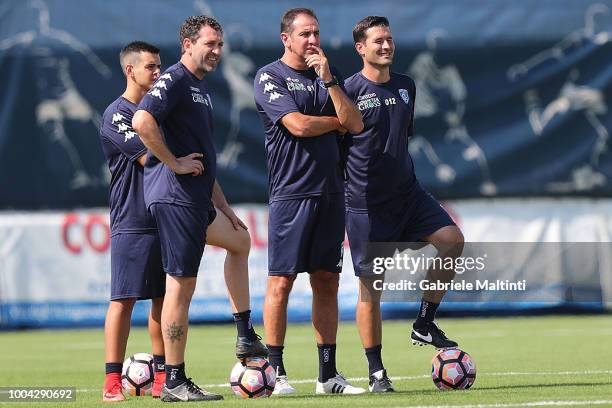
x=334, y=81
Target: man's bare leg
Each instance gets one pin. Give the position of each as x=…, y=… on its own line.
x=237, y=243
x=275, y=318
x=449, y=243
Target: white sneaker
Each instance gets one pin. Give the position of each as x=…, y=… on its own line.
x=337, y=385
x=282, y=386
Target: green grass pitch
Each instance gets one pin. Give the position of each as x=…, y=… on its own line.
x=521, y=361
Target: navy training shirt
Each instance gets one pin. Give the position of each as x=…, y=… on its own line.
x=182, y=106
x=379, y=167
x=122, y=148
x=298, y=167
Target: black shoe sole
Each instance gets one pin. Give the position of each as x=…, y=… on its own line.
x=420, y=343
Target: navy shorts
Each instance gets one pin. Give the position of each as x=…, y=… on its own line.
x=306, y=235
x=410, y=221
x=182, y=233
x=136, y=267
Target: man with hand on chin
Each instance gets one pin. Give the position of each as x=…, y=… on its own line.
x=303, y=110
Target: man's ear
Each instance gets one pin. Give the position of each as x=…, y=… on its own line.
x=285, y=39
x=359, y=47
x=186, y=44
x=129, y=70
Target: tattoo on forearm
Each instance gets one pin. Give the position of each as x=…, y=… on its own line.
x=174, y=332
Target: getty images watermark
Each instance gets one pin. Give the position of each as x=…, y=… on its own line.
x=483, y=272
x=411, y=264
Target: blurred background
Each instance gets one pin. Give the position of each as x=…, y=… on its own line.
x=512, y=132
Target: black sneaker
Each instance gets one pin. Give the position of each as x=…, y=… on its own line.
x=379, y=382
x=187, y=391
x=433, y=335
x=250, y=347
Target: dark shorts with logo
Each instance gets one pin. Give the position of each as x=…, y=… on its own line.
x=410, y=220
x=306, y=235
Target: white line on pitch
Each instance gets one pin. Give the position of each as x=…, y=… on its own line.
x=418, y=377
x=518, y=404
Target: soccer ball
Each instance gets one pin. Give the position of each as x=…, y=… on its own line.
x=137, y=374
x=256, y=378
x=453, y=369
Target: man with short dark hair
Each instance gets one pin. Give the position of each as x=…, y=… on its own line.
x=303, y=109
x=133, y=230
x=126, y=155
x=179, y=182
x=384, y=201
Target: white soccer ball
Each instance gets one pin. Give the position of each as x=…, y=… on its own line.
x=137, y=374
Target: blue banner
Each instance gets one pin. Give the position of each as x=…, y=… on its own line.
x=511, y=97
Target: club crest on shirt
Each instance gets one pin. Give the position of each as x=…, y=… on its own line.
x=405, y=96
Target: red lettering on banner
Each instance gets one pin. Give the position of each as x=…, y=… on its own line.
x=93, y=221
x=256, y=240
x=70, y=221
x=73, y=223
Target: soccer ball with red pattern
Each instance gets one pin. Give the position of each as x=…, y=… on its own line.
x=137, y=374
x=253, y=379
x=453, y=369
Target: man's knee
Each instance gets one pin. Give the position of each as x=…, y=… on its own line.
x=324, y=282
x=241, y=244
x=180, y=286
x=367, y=289
x=279, y=287
x=448, y=240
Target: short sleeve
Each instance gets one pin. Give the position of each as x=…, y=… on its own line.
x=163, y=96
x=273, y=96
x=118, y=130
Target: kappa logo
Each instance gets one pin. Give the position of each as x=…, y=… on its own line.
x=117, y=117
x=263, y=77
x=155, y=92
x=405, y=96
x=160, y=84
x=274, y=96
x=129, y=135
x=123, y=127
x=166, y=76
x=269, y=87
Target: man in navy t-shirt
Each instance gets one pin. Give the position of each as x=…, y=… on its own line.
x=136, y=269
x=303, y=109
x=134, y=232
x=174, y=121
x=384, y=201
